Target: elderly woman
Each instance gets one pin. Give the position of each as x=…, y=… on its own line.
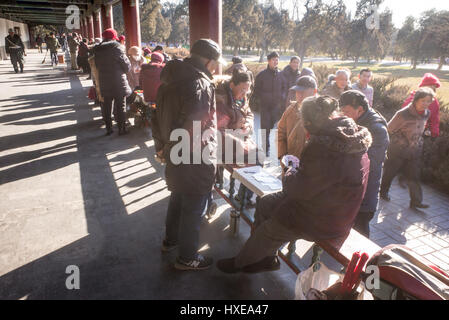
x=339, y=85
x=406, y=130
x=320, y=199
x=136, y=59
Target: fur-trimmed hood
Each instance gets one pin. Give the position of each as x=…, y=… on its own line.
x=343, y=135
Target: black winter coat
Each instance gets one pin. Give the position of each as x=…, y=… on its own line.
x=270, y=89
x=112, y=64
x=186, y=95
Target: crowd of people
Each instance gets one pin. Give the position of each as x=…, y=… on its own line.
x=342, y=153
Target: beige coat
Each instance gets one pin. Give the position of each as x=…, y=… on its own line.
x=95, y=77
x=291, y=133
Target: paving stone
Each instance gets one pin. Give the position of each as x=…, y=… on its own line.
x=432, y=258
x=414, y=243
x=418, y=233
x=423, y=250
x=431, y=242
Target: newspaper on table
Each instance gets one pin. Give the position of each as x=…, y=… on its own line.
x=258, y=180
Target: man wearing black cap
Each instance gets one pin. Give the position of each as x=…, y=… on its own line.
x=14, y=47
x=291, y=132
x=186, y=100
x=355, y=105
x=270, y=93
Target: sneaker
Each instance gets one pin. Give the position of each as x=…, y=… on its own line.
x=168, y=246
x=200, y=263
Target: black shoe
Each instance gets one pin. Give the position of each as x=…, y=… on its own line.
x=109, y=132
x=21, y=70
x=228, y=266
x=122, y=132
x=264, y=265
x=419, y=205
x=212, y=209
x=385, y=196
x=16, y=71
x=200, y=263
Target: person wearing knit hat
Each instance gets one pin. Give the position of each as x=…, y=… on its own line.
x=149, y=79
x=433, y=124
x=113, y=65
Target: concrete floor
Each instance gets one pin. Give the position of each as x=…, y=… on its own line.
x=72, y=196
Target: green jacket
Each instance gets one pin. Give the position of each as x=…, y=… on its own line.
x=53, y=44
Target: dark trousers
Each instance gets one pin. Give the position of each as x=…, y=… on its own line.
x=268, y=234
x=119, y=113
x=16, y=57
x=54, y=58
x=268, y=118
x=362, y=221
x=410, y=168
x=182, y=224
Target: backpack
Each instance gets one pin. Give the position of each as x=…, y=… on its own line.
x=406, y=275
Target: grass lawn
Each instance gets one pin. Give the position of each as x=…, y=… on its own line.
x=405, y=75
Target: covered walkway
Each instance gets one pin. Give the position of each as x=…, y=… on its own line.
x=72, y=196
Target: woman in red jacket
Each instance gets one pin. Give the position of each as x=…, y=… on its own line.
x=150, y=76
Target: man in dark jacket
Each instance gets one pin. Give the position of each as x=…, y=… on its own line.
x=355, y=105
x=291, y=74
x=112, y=64
x=270, y=93
x=186, y=103
x=14, y=47
x=320, y=199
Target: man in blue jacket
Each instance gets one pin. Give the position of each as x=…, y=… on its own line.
x=355, y=105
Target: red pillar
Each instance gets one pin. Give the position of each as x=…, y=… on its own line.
x=132, y=22
x=83, y=28
x=205, y=20
x=96, y=21
x=90, y=27
x=106, y=16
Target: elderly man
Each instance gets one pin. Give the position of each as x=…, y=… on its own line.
x=355, y=105
x=291, y=74
x=363, y=86
x=14, y=47
x=73, y=48
x=339, y=85
x=291, y=132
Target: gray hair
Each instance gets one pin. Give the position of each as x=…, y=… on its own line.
x=342, y=71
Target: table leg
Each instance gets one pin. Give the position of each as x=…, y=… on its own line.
x=235, y=222
x=317, y=251
x=291, y=248
x=231, y=188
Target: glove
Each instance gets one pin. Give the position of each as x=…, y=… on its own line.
x=290, y=161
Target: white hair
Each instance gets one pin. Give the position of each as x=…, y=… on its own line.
x=342, y=71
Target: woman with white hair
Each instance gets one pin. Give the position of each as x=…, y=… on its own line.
x=339, y=85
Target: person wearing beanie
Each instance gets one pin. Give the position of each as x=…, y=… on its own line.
x=150, y=74
x=186, y=100
x=317, y=202
x=429, y=80
x=161, y=51
x=113, y=65
x=406, y=130
x=308, y=72
x=269, y=96
x=291, y=132
x=355, y=105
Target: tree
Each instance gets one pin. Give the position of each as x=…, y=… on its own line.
x=178, y=15
x=153, y=25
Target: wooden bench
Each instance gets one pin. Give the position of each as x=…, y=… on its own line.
x=341, y=252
